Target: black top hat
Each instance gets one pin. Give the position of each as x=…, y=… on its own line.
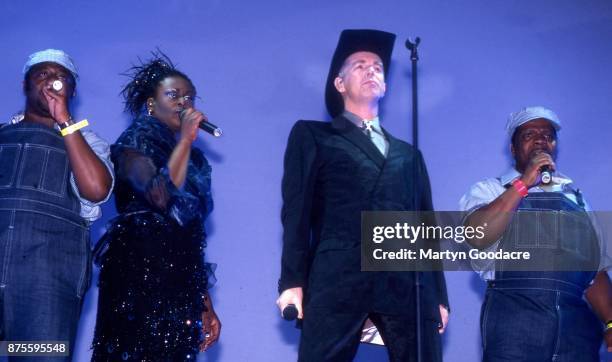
x=352, y=41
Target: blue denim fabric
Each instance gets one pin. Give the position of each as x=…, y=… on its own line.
x=45, y=255
x=537, y=325
x=536, y=316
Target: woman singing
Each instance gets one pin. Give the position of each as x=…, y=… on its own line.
x=153, y=303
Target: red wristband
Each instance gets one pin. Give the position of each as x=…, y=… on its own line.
x=520, y=187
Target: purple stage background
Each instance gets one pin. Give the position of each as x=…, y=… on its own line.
x=261, y=65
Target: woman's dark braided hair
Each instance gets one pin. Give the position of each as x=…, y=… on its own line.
x=145, y=78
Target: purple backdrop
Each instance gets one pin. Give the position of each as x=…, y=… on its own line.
x=260, y=66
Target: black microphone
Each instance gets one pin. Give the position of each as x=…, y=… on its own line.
x=290, y=312
x=546, y=174
x=211, y=128
x=207, y=126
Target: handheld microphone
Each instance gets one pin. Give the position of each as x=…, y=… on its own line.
x=57, y=85
x=290, y=312
x=211, y=128
x=207, y=127
x=546, y=174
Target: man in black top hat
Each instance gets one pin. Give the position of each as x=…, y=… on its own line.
x=333, y=171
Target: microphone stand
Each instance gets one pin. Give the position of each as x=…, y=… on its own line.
x=414, y=58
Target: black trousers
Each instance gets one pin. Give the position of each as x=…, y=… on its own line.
x=332, y=336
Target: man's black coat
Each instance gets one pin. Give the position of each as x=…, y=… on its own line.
x=332, y=173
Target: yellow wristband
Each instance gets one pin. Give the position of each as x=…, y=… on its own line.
x=74, y=127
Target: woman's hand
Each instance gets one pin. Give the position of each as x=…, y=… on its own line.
x=190, y=122
x=211, y=325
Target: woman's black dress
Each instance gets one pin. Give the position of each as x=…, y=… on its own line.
x=153, y=278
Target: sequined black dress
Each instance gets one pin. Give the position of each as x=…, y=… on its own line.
x=153, y=277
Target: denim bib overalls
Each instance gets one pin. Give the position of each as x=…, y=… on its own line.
x=44, y=242
x=535, y=312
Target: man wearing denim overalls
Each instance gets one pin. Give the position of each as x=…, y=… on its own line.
x=534, y=309
x=53, y=176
